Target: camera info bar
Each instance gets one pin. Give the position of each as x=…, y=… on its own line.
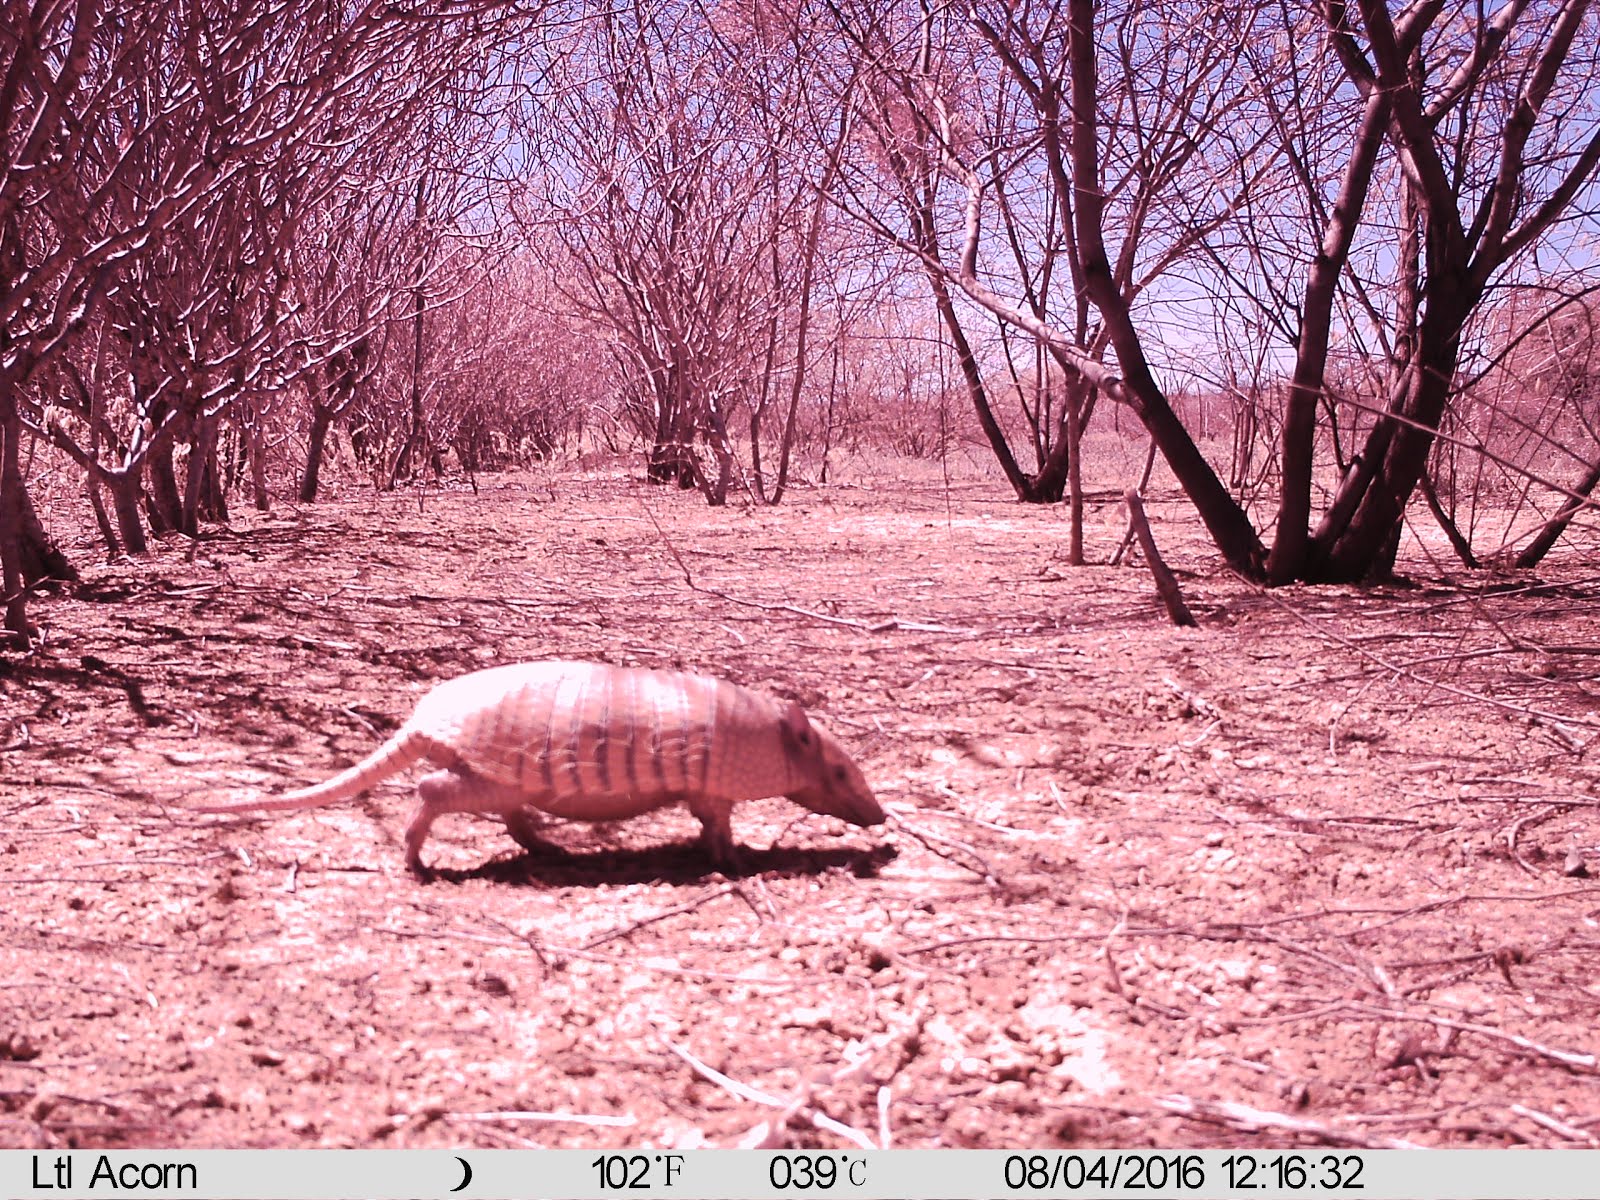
x=714, y=1174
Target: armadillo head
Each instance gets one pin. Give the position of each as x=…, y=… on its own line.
x=834, y=784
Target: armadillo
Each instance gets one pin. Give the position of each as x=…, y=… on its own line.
x=592, y=742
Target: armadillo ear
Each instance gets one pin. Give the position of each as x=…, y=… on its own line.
x=798, y=736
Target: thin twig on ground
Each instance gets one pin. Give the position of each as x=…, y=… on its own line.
x=933, y=842
x=1398, y=669
x=595, y=1120
x=1587, y=1063
x=800, y=1105
x=677, y=910
x=1257, y=1120
x=848, y=622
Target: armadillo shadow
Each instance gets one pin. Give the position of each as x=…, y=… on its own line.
x=671, y=864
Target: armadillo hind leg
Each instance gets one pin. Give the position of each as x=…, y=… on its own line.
x=454, y=790
x=716, y=832
x=526, y=827
x=527, y=824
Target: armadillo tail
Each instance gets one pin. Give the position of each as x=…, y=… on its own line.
x=399, y=752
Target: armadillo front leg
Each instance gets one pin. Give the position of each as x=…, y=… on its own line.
x=716, y=833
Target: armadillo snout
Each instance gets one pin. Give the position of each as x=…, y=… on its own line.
x=840, y=789
x=857, y=809
x=829, y=782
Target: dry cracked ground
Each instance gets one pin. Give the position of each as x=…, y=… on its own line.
x=1316, y=872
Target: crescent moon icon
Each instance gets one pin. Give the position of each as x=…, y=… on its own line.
x=466, y=1176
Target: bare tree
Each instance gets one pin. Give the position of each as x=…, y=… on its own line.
x=1478, y=128
x=1518, y=453
x=1002, y=101
x=1462, y=101
x=692, y=233
x=515, y=381
x=153, y=172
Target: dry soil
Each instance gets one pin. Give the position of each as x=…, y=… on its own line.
x=1313, y=873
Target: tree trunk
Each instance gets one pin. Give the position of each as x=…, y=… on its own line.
x=1246, y=423
x=972, y=375
x=256, y=451
x=1370, y=504
x=321, y=421
x=1552, y=529
x=827, y=416
x=1073, y=442
x=248, y=454
x=125, y=494
x=1227, y=523
x=672, y=458
x=165, y=501
x=103, y=519
x=27, y=554
x=1292, y=544
x=200, y=468
x=13, y=584
x=411, y=452
x=716, y=436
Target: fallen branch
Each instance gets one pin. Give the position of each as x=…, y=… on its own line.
x=1333, y=635
x=1166, y=583
x=1144, y=482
